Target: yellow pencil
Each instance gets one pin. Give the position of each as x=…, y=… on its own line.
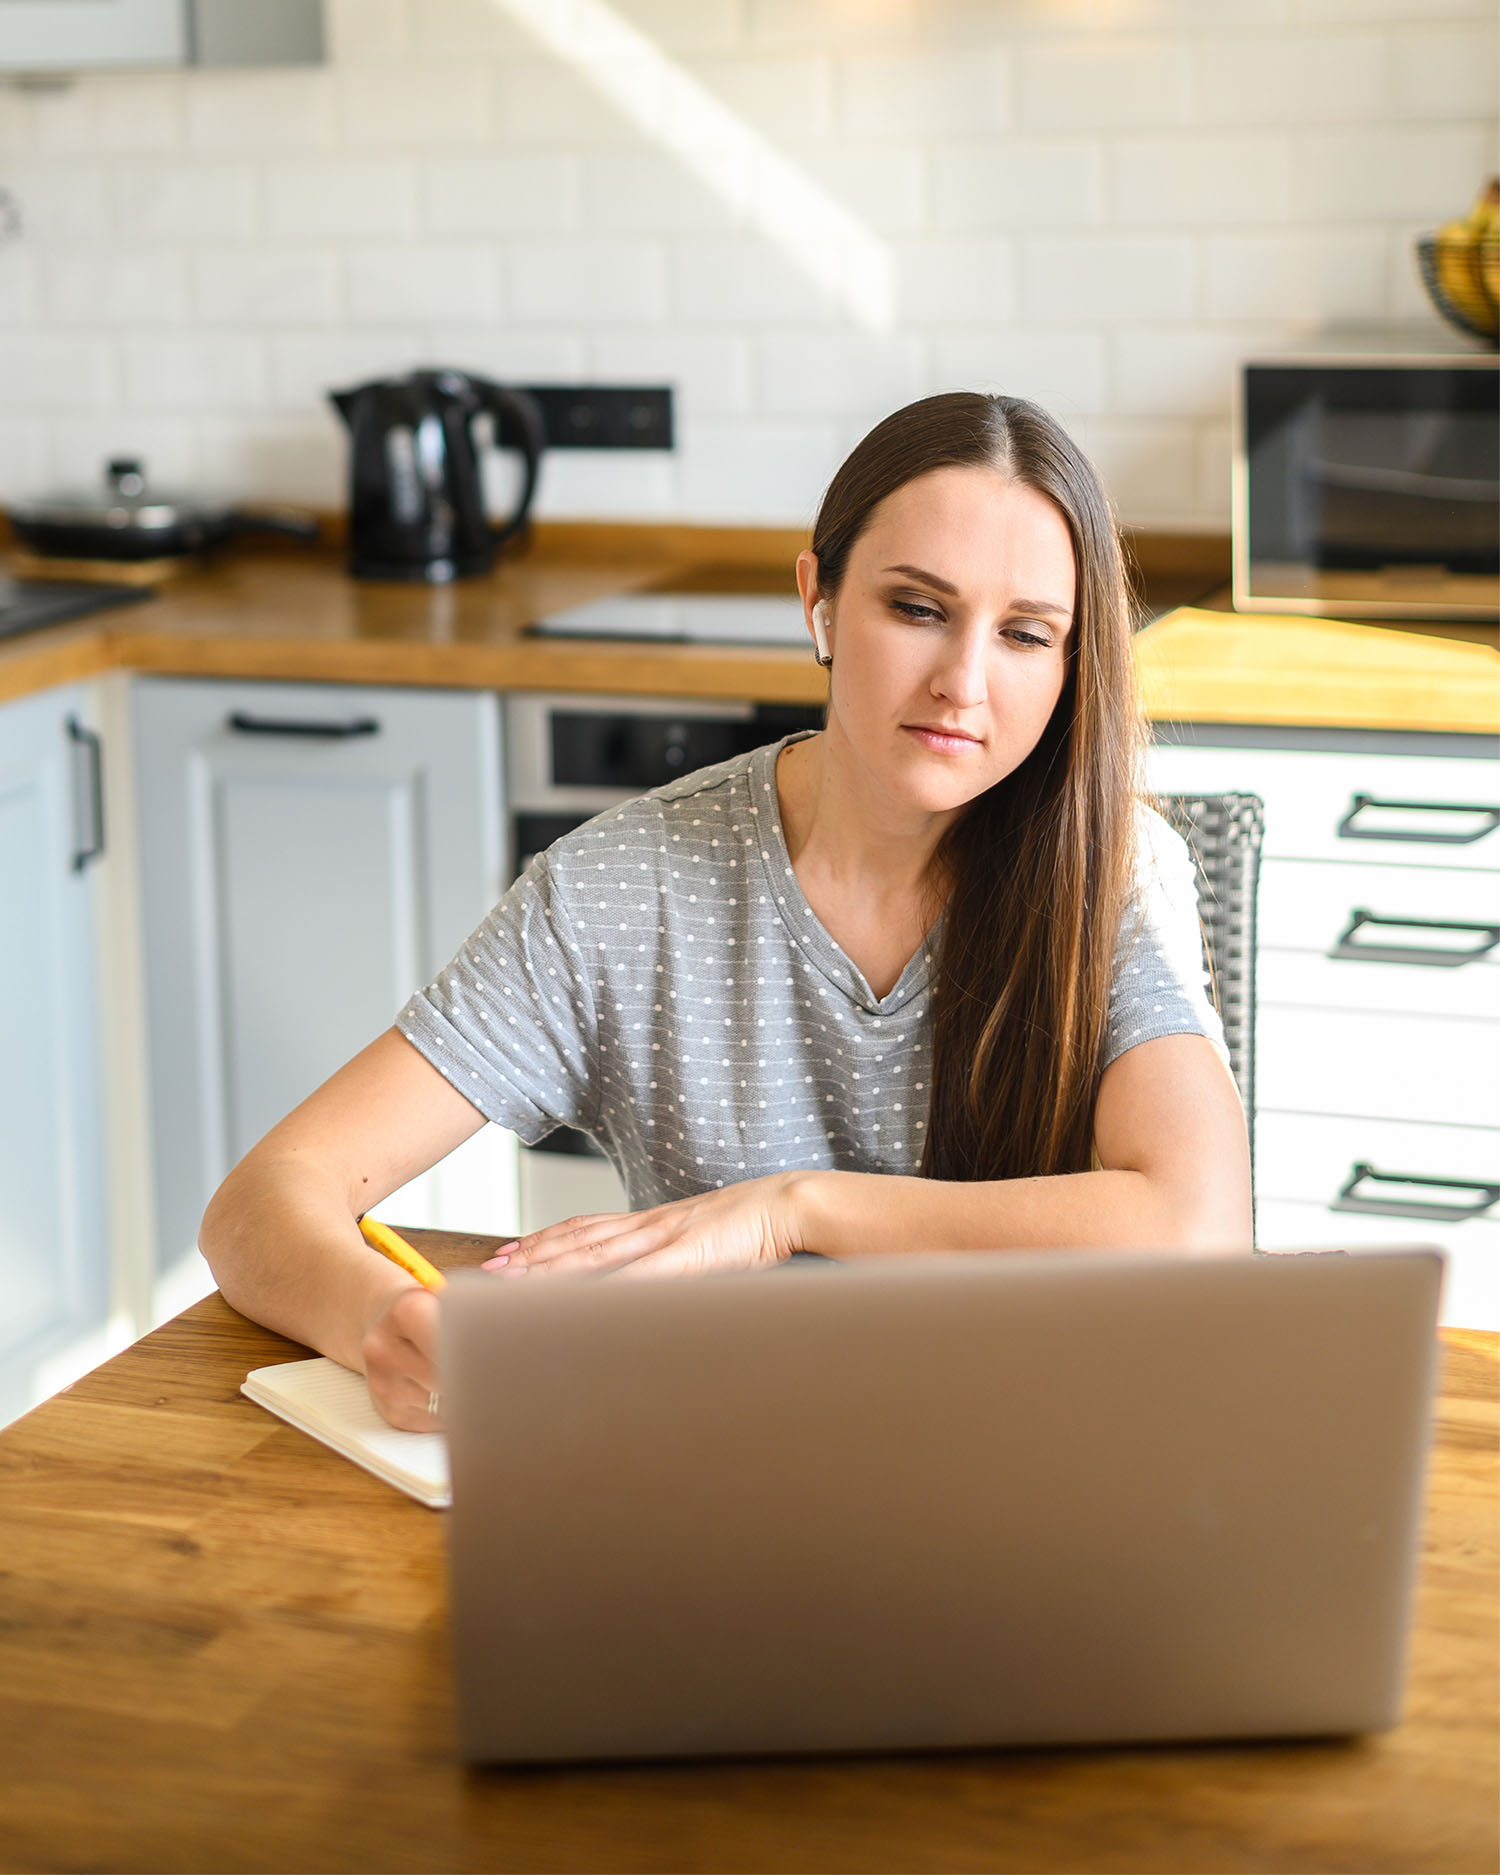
x=382, y=1238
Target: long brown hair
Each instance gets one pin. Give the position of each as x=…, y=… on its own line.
x=1037, y=871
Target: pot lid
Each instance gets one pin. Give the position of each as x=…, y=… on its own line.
x=121, y=499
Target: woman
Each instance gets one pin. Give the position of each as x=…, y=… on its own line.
x=929, y=979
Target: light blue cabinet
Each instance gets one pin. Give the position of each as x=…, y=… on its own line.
x=310, y=854
x=54, y=1263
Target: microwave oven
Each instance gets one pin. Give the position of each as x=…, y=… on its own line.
x=1367, y=484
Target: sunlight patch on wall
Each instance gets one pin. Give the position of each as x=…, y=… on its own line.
x=814, y=230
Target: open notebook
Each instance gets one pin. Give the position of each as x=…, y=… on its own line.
x=322, y=1398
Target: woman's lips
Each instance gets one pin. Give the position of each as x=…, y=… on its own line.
x=942, y=741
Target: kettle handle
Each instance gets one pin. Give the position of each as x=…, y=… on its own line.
x=518, y=422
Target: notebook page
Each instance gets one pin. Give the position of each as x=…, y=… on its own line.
x=333, y=1404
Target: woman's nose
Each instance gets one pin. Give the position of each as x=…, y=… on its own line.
x=962, y=677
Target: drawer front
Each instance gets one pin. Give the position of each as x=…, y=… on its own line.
x=1391, y=1066
x=1471, y=1289
x=1417, y=810
x=1379, y=937
x=1312, y=1159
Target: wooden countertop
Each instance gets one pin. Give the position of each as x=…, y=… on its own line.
x=224, y=1647
x=298, y=617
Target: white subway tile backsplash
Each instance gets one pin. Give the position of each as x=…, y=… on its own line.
x=25, y=457
x=1177, y=181
x=265, y=286
x=777, y=98
x=1329, y=275
x=1062, y=371
x=823, y=374
x=270, y=112
x=40, y=372
x=1084, y=279
x=650, y=192
x=955, y=282
x=523, y=192
x=743, y=283
x=508, y=353
x=776, y=471
x=450, y=106
x=628, y=484
x=341, y=196
x=175, y=201
x=185, y=373
x=883, y=185
x=1386, y=174
x=1277, y=78
x=543, y=101
x=1009, y=182
x=306, y=366
x=1444, y=73
x=119, y=112
x=1100, y=204
x=362, y=32
x=1147, y=467
x=301, y=458
x=166, y=447
x=20, y=288
x=927, y=94
x=1103, y=83
x=60, y=201
x=710, y=373
x=483, y=29
x=97, y=286
x=1215, y=456
x=401, y=284
x=684, y=26
x=592, y=282
x=1182, y=373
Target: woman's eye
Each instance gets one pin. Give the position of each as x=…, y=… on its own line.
x=913, y=609
x=1025, y=635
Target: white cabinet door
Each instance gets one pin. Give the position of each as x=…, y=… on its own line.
x=54, y=1272
x=310, y=855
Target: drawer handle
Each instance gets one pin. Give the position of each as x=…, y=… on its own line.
x=248, y=725
x=1434, y=956
x=1434, y=1210
x=1350, y=829
x=87, y=742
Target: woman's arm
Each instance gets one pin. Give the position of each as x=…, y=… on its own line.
x=1175, y=1175
x=1170, y=1136
x=281, y=1236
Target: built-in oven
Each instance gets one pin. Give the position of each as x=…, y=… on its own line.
x=569, y=757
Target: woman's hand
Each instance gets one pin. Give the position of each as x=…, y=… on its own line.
x=399, y=1349
x=745, y=1226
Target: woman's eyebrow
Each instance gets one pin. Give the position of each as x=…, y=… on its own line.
x=1054, y=606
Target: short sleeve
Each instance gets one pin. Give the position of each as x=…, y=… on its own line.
x=1161, y=980
x=510, y=1021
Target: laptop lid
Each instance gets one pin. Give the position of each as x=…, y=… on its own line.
x=993, y=1499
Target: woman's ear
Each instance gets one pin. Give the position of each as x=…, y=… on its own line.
x=814, y=609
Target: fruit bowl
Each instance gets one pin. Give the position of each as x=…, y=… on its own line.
x=1460, y=267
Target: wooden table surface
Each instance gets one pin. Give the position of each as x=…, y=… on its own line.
x=224, y=1647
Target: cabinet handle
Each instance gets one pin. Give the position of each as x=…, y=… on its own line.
x=248, y=725
x=1434, y=956
x=1434, y=1210
x=89, y=744
x=1350, y=829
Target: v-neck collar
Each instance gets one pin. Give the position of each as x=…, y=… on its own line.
x=802, y=923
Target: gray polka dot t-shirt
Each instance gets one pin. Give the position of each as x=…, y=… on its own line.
x=657, y=980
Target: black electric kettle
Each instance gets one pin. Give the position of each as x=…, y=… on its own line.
x=416, y=501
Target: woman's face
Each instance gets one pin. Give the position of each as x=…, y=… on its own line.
x=950, y=636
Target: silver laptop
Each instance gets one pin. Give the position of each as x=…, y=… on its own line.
x=936, y=1502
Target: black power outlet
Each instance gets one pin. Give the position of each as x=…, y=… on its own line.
x=604, y=416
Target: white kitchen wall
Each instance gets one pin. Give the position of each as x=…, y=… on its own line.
x=800, y=212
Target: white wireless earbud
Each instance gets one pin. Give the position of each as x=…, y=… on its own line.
x=820, y=633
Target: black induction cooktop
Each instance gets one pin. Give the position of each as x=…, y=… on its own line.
x=26, y=604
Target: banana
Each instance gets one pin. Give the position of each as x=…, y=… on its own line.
x=1484, y=229
x=1455, y=266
